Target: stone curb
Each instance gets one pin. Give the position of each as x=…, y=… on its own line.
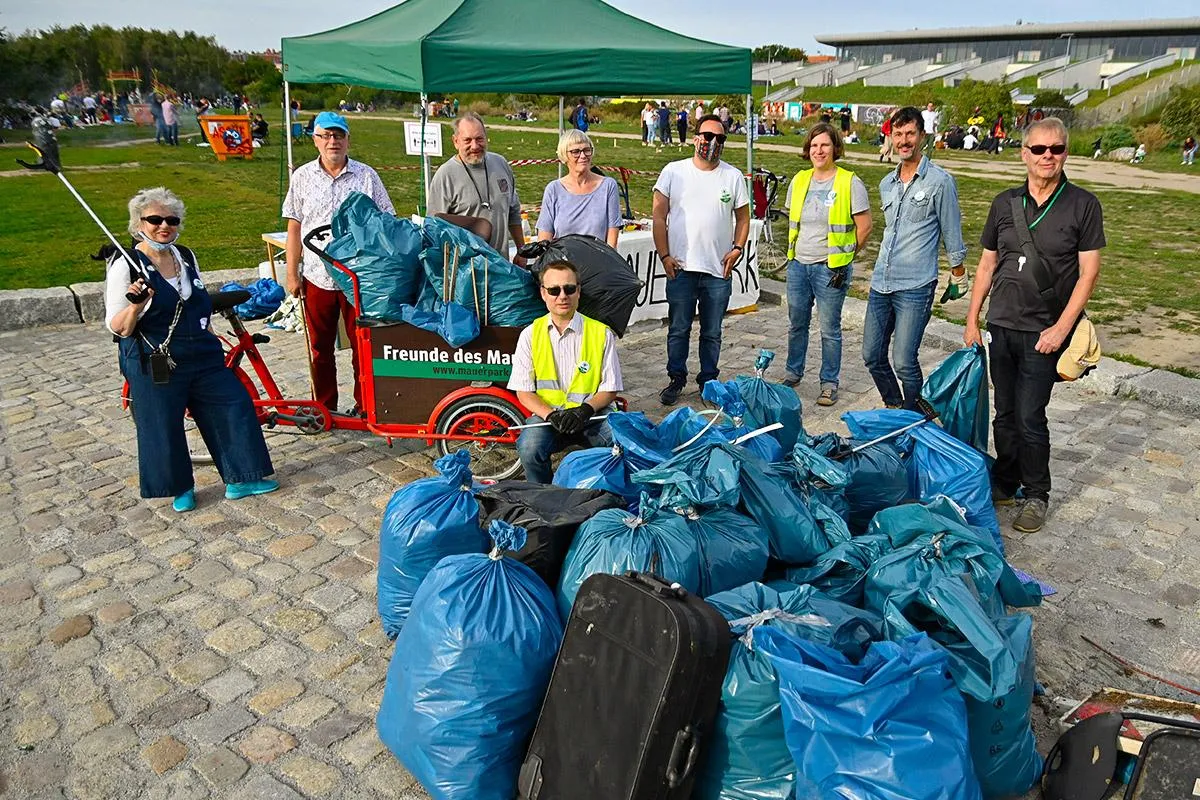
x=79, y=302
x=1158, y=388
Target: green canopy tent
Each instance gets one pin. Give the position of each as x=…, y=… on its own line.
x=563, y=47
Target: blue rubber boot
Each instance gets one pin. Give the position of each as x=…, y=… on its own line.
x=236, y=491
x=185, y=502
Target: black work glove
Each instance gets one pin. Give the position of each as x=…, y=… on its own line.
x=837, y=276
x=562, y=421
x=583, y=413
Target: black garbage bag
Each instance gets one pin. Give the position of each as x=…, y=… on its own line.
x=550, y=516
x=608, y=286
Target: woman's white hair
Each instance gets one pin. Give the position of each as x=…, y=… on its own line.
x=571, y=138
x=159, y=196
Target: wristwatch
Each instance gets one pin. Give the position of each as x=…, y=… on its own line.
x=739, y=247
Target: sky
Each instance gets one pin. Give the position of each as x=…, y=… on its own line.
x=255, y=25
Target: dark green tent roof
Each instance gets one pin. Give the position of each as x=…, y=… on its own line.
x=529, y=46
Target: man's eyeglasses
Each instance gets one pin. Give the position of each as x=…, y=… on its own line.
x=709, y=136
x=1040, y=149
x=337, y=136
x=554, y=291
x=581, y=152
x=156, y=220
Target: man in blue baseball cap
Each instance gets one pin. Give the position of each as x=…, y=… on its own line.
x=316, y=191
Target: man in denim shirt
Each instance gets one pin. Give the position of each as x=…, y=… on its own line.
x=920, y=208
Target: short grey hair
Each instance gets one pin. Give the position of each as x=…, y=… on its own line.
x=159, y=196
x=570, y=138
x=1051, y=124
x=470, y=115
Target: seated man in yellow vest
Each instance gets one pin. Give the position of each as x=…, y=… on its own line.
x=565, y=370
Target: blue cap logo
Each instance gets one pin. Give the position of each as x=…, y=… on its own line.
x=329, y=120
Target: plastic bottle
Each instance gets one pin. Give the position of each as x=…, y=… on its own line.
x=525, y=229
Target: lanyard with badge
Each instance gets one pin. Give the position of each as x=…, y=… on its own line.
x=1024, y=203
x=483, y=203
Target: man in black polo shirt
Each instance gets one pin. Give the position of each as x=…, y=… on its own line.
x=1067, y=227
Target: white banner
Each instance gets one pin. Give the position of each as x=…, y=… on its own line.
x=412, y=138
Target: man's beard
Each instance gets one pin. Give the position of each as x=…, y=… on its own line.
x=474, y=159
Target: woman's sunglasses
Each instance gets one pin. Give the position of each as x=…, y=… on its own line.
x=569, y=289
x=155, y=219
x=1040, y=149
x=709, y=136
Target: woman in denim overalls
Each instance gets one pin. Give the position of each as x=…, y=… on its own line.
x=174, y=363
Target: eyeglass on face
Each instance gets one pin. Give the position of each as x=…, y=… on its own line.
x=569, y=289
x=156, y=220
x=1040, y=149
x=336, y=136
x=581, y=152
x=709, y=136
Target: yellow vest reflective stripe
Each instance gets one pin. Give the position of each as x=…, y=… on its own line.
x=586, y=378
x=842, y=236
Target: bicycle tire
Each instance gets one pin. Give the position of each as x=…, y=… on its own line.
x=477, y=415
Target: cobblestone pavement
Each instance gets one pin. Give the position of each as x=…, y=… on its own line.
x=234, y=652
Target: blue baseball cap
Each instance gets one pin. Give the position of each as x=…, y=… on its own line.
x=330, y=119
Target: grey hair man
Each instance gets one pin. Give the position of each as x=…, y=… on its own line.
x=477, y=183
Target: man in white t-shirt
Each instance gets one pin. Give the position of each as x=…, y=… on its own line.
x=701, y=223
x=929, y=120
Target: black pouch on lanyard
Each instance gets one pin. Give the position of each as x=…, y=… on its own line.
x=160, y=368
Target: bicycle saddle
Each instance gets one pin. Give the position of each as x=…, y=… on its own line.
x=223, y=301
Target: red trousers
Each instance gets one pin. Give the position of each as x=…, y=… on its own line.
x=321, y=310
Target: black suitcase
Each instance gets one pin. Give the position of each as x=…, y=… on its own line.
x=633, y=694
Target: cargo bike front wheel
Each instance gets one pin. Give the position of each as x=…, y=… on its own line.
x=482, y=416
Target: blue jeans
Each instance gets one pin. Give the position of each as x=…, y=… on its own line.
x=536, y=445
x=806, y=284
x=899, y=318
x=173, y=133
x=685, y=292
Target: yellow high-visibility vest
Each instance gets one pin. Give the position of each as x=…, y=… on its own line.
x=842, y=237
x=586, y=379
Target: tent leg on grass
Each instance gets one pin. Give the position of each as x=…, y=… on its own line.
x=561, y=128
x=750, y=148
x=423, y=206
x=287, y=124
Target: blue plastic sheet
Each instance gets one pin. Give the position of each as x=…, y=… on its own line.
x=747, y=757
x=383, y=251
x=938, y=464
x=771, y=402
x=647, y=444
x=958, y=390
x=469, y=673
x=879, y=477
x=597, y=468
x=265, y=298
x=454, y=323
x=614, y=542
x=891, y=727
x=425, y=521
x=733, y=548
x=728, y=398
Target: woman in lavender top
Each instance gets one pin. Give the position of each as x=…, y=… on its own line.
x=581, y=201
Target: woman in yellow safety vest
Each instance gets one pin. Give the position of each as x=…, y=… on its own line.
x=829, y=219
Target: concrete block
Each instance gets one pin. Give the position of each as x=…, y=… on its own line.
x=1110, y=378
x=943, y=335
x=1168, y=390
x=218, y=278
x=771, y=292
x=90, y=299
x=25, y=308
x=854, y=311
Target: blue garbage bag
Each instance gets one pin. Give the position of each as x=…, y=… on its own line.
x=266, y=296
x=383, y=251
x=891, y=726
x=728, y=398
x=425, y=521
x=733, y=548
x=469, y=672
x=454, y=323
x=823, y=475
x=841, y=572
x=655, y=540
x=705, y=476
x=747, y=756
x=879, y=476
x=597, y=468
x=993, y=675
x=938, y=464
x=497, y=291
x=933, y=540
x=958, y=390
x=647, y=444
x=771, y=402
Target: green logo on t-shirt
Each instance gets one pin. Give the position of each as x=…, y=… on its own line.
x=725, y=196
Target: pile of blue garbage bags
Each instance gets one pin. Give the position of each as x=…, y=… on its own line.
x=877, y=650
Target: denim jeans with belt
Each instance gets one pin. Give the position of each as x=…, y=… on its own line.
x=536, y=445
x=806, y=284
x=685, y=292
x=898, y=318
x=1023, y=379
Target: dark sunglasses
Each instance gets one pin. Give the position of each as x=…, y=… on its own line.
x=709, y=136
x=569, y=288
x=1040, y=149
x=155, y=219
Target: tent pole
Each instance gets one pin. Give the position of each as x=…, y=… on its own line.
x=287, y=123
x=424, y=205
x=561, y=129
x=750, y=132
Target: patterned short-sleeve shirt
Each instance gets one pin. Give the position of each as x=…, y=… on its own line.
x=314, y=195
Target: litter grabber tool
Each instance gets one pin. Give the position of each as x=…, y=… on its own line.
x=46, y=146
x=923, y=405
x=499, y=431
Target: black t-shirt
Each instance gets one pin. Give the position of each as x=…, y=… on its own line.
x=1072, y=225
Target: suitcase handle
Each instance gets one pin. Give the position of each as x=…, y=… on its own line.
x=658, y=585
x=675, y=778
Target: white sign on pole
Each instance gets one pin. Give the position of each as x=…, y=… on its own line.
x=433, y=139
